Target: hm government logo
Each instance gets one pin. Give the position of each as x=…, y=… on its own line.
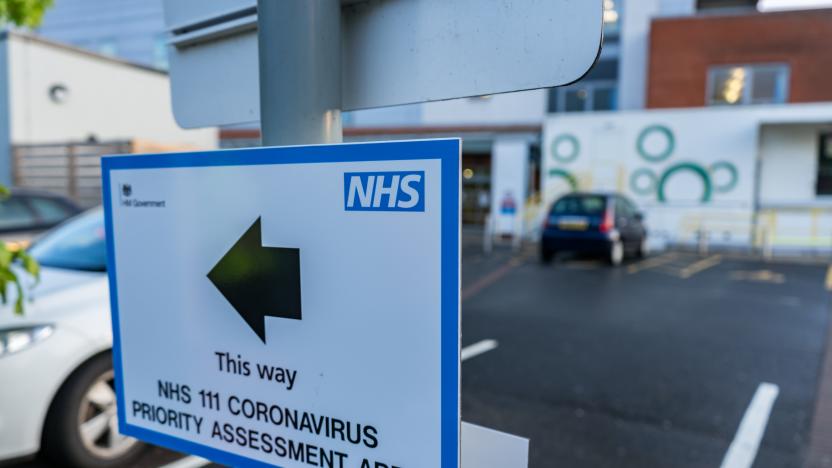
x=125, y=199
x=384, y=191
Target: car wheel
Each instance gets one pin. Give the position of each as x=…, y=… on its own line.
x=616, y=255
x=81, y=428
x=546, y=256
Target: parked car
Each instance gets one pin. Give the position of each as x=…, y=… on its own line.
x=603, y=224
x=57, y=395
x=27, y=213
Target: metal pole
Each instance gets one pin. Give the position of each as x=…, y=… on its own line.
x=300, y=71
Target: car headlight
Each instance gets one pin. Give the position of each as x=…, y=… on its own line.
x=13, y=340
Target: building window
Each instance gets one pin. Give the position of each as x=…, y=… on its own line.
x=588, y=96
x=707, y=5
x=824, y=184
x=603, y=99
x=612, y=18
x=748, y=84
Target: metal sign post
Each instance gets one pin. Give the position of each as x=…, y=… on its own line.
x=300, y=71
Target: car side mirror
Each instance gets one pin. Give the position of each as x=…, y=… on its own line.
x=639, y=217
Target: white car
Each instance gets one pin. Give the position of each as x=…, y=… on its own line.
x=56, y=391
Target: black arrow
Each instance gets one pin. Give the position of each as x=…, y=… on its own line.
x=259, y=281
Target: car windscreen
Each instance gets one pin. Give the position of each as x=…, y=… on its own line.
x=584, y=205
x=76, y=245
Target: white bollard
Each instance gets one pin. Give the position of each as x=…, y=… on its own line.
x=517, y=234
x=768, y=248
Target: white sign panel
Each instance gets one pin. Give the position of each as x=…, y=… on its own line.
x=487, y=448
x=289, y=307
x=393, y=52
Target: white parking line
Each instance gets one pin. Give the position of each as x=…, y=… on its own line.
x=188, y=462
x=476, y=349
x=744, y=448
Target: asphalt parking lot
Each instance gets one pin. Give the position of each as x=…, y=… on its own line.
x=652, y=364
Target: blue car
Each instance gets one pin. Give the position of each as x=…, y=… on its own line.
x=601, y=224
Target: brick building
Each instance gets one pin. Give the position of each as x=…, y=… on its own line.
x=735, y=59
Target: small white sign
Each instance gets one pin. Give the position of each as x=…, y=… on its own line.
x=289, y=307
x=487, y=448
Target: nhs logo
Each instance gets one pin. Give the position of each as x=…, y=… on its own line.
x=384, y=191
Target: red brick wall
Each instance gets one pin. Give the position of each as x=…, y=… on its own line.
x=682, y=50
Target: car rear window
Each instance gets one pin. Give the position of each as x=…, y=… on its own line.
x=50, y=211
x=586, y=205
x=77, y=245
x=15, y=215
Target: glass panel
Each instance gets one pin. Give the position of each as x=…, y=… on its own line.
x=824, y=183
x=826, y=149
x=49, y=211
x=611, y=18
x=575, y=100
x=769, y=85
x=728, y=85
x=582, y=205
x=622, y=208
x=77, y=245
x=15, y=215
x=603, y=99
x=552, y=106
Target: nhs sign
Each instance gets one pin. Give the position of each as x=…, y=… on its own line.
x=384, y=191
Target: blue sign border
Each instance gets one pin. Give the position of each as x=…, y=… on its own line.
x=448, y=151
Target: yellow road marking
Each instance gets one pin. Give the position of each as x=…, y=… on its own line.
x=829, y=278
x=652, y=262
x=700, y=266
x=762, y=276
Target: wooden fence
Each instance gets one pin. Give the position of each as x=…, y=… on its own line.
x=69, y=169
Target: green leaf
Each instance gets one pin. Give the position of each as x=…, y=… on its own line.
x=24, y=13
x=30, y=265
x=9, y=10
x=6, y=256
x=18, y=303
x=3, y=291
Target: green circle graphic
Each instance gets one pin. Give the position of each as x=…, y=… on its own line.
x=657, y=157
x=566, y=158
x=643, y=172
x=568, y=177
x=732, y=169
x=696, y=169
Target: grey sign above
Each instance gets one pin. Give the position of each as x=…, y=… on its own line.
x=393, y=52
